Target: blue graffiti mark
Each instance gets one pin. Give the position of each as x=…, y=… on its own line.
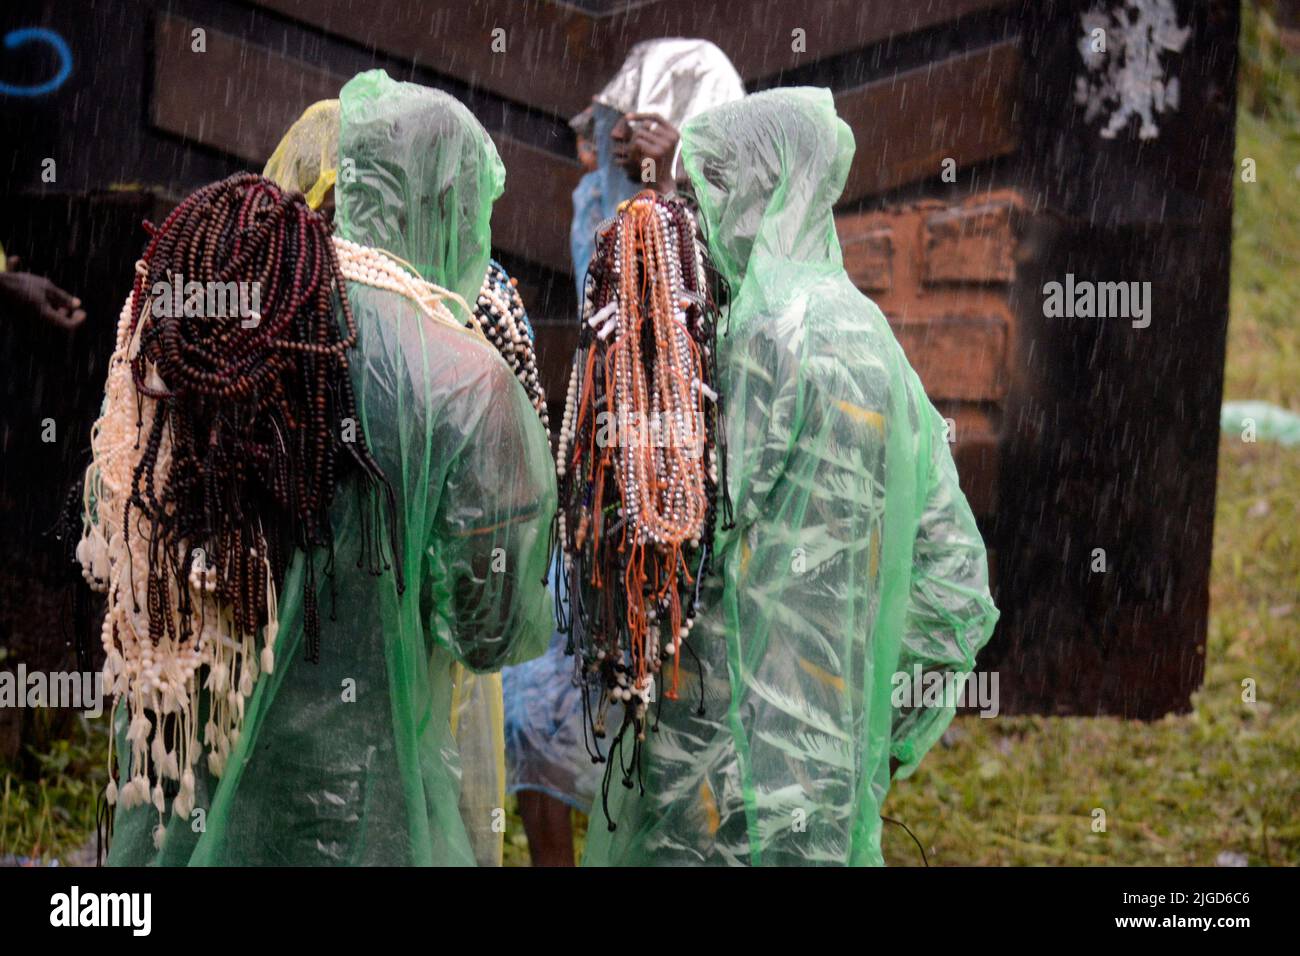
x=16, y=38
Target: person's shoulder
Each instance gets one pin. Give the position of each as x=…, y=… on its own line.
x=836, y=342
x=441, y=359
x=472, y=375
x=823, y=319
x=470, y=357
x=441, y=334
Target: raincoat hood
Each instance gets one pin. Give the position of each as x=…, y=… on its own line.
x=676, y=78
x=307, y=159
x=418, y=179
x=766, y=172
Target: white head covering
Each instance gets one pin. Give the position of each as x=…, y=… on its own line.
x=675, y=78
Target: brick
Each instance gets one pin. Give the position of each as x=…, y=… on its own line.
x=978, y=466
x=958, y=357
x=869, y=257
x=971, y=244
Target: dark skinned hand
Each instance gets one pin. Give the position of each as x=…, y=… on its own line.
x=37, y=297
x=641, y=136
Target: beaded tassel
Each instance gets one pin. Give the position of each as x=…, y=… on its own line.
x=216, y=454
x=637, y=458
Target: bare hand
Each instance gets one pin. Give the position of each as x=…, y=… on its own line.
x=37, y=296
x=641, y=136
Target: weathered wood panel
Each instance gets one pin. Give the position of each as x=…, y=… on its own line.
x=558, y=55
x=961, y=108
x=240, y=98
x=235, y=96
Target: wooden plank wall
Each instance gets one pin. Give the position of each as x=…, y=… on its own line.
x=239, y=97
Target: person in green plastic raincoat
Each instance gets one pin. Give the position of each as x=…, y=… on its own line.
x=307, y=161
x=353, y=760
x=854, y=562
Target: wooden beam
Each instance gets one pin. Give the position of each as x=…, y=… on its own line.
x=235, y=96
x=961, y=108
x=557, y=56
x=240, y=98
x=531, y=219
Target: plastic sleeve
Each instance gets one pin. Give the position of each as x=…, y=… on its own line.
x=493, y=531
x=950, y=614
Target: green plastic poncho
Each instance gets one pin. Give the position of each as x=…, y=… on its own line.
x=306, y=161
x=353, y=760
x=854, y=555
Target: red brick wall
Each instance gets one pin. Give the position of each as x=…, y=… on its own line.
x=942, y=274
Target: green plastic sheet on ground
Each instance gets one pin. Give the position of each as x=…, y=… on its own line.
x=854, y=555
x=353, y=760
x=1256, y=421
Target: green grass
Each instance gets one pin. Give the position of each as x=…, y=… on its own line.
x=1263, y=348
x=1180, y=791
x=47, y=810
x=1263, y=351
